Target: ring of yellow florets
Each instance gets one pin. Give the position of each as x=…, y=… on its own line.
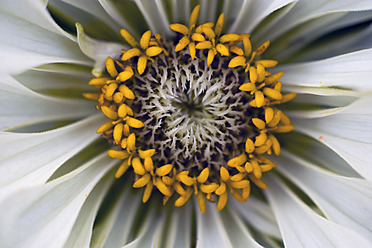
x=236, y=176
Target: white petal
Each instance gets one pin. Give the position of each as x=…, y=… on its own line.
x=97, y=50
x=301, y=227
x=30, y=159
x=155, y=16
x=115, y=14
x=347, y=201
x=179, y=231
x=21, y=106
x=44, y=216
x=348, y=132
x=258, y=214
x=81, y=232
x=253, y=12
x=210, y=229
x=24, y=45
x=208, y=9
x=353, y=70
x=181, y=10
x=304, y=11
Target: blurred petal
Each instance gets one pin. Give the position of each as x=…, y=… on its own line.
x=21, y=106
x=301, y=227
x=45, y=215
x=208, y=9
x=179, y=231
x=353, y=70
x=347, y=201
x=181, y=10
x=30, y=159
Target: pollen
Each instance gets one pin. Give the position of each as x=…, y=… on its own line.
x=196, y=113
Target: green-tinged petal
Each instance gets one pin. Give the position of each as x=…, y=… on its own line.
x=301, y=227
x=181, y=11
x=115, y=228
x=155, y=15
x=353, y=70
x=179, y=231
x=21, y=106
x=97, y=50
x=45, y=215
x=81, y=232
x=304, y=11
x=258, y=214
x=344, y=200
x=208, y=11
x=30, y=159
x=253, y=12
x=210, y=230
x=347, y=131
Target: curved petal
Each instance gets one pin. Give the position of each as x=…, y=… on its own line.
x=44, y=216
x=179, y=231
x=30, y=159
x=301, y=227
x=251, y=13
x=97, y=50
x=21, y=106
x=353, y=70
x=347, y=131
x=347, y=201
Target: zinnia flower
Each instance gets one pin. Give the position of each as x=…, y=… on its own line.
x=194, y=104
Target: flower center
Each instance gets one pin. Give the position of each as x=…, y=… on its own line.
x=194, y=114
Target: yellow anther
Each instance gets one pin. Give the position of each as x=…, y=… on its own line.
x=138, y=166
x=153, y=51
x=178, y=188
x=237, y=61
x=203, y=176
x=126, y=130
x=141, y=64
x=110, y=67
x=197, y=37
x=237, y=161
x=105, y=126
x=109, y=112
x=273, y=78
x=284, y=119
x=118, y=154
x=260, y=139
x=252, y=74
x=194, y=16
x=237, y=177
x=278, y=86
x=118, y=97
x=248, y=167
x=276, y=145
x=192, y=50
x=266, y=167
x=249, y=146
x=98, y=81
x=126, y=74
x=134, y=52
x=237, y=50
x=262, y=48
x=223, y=50
x=208, y=32
x=118, y=132
x=164, y=170
x=260, y=99
x=92, y=96
x=145, y=39
x=129, y=38
x=111, y=89
x=222, y=201
x=267, y=63
x=189, y=181
x=247, y=87
x=224, y=174
x=275, y=120
x=204, y=45
x=288, y=97
x=260, y=73
x=131, y=142
x=245, y=192
x=209, y=188
x=221, y=189
x=147, y=192
x=269, y=114
x=210, y=57
x=183, y=198
x=284, y=129
x=135, y=123
x=122, y=110
x=240, y=184
x=149, y=165
x=229, y=38
x=265, y=147
x=201, y=201
x=162, y=187
x=142, y=181
x=147, y=153
x=260, y=124
x=261, y=184
x=276, y=95
x=256, y=169
x=219, y=24
x=246, y=45
x=167, y=180
x=128, y=93
x=235, y=193
x=182, y=44
x=179, y=28
x=124, y=143
x=122, y=169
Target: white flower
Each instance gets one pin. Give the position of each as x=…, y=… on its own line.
x=57, y=185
